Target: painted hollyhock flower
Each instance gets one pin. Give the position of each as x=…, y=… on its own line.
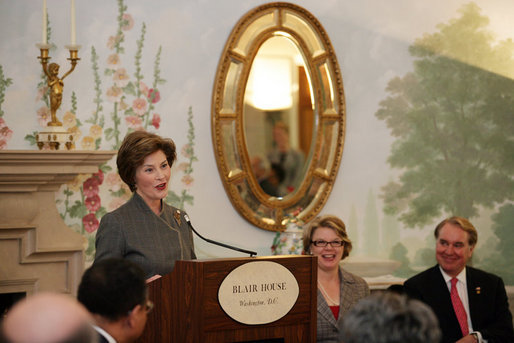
x=69, y=119
x=127, y=22
x=76, y=132
x=88, y=143
x=113, y=40
x=183, y=166
x=143, y=88
x=43, y=115
x=134, y=122
x=78, y=181
x=90, y=222
x=156, y=121
x=99, y=175
x=41, y=91
x=154, y=96
x=120, y=77
x=114, y=94
x=113, y=181
x=139, y=106
x=93, y=203
x=187, y=180
x=95, y=131
x=5, y=131
x=3, y=144
x=90, y=186
x=185, y=151
x=113, y=60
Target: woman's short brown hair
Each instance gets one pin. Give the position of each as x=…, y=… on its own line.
x=135, y=148
x=331, y=222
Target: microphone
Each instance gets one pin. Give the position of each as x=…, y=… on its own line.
x=251, y=253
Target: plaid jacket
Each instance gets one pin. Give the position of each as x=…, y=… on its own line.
x=353, y=288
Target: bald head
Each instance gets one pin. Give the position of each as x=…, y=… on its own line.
x=48, y=318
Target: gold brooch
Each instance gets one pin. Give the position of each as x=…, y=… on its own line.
x=477, y=290
x=177, y=217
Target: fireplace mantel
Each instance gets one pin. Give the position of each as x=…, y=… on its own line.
x=38, y=251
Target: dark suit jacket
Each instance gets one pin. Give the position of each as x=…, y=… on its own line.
x=136, y=233
x=488, y=303
x=102, y=339
x=353, y=288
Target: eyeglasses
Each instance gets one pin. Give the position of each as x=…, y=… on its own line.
x=334, y=244
x=148, y=306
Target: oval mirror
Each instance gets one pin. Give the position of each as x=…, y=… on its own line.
x=278, y=116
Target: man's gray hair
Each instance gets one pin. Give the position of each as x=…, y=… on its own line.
x=387, y=317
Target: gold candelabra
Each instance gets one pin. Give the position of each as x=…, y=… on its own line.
x=56, y=133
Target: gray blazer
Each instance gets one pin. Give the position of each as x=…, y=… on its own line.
x=136, y=233
x=353, y=288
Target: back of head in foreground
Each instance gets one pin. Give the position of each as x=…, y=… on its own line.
x=48, y=318
x=388, y=317
x=114, y=291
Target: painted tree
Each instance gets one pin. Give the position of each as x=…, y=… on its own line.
x=503, y=257
x=352, y=229
x=390, y=234
x=371, y=227
x=452, y=120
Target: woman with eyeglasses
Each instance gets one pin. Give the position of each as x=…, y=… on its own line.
x=338, y=290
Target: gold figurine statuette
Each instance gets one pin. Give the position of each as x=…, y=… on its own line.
x=56, y=133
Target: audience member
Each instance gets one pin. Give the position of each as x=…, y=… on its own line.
x=48, y=318
x=388, y=317
x=338, y=290
x=471, y=304
x=114, y=291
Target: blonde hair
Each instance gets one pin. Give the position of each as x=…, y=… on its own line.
x=331, y=222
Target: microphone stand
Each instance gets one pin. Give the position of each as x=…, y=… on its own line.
x=251, y=253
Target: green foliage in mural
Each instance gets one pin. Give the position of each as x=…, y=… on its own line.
x=5, y=131
x=452, y=120
x=4, y=83
x=188, y=151
x=399, y=253
x=501, y=260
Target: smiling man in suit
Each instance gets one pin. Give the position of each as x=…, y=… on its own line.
x=470, y=304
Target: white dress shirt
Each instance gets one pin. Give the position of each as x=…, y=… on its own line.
x=104, y=333
x=462, y=289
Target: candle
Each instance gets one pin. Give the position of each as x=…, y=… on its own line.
x=73, y=27
x=43, y=34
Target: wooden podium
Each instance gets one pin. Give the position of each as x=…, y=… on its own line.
x=187, y=307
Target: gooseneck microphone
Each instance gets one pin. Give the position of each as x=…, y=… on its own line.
x=251, y=253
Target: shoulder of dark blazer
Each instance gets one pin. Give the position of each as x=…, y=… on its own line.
x=474, y=273
x=424, y=276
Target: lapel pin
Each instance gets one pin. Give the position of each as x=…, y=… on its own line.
x=477, y=290
x=177, y=217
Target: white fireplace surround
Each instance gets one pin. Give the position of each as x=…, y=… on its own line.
x=38, y=252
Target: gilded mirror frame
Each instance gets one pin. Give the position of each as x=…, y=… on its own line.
x=252, y=30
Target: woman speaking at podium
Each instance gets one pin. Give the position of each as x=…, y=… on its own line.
x=146, y=230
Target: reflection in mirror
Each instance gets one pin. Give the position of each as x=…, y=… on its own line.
x=278, y=116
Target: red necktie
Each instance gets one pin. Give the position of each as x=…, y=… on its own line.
x=460, y=312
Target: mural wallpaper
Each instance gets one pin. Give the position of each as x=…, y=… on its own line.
x=452, y=119
x=124, y=104
x=448, y=115
x=5, y=131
